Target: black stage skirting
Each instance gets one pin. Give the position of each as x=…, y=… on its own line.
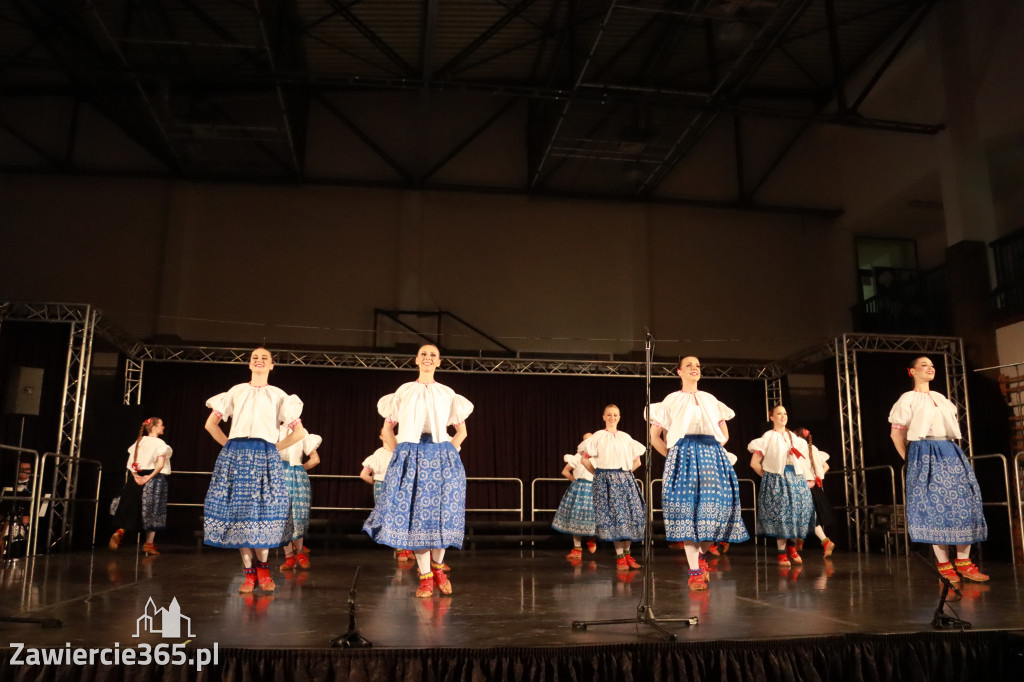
x=927, y=657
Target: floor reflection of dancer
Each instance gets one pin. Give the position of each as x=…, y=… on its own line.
x=143, y=501
x=424, y=502
x=817, y=461
x=619, y=512
x=943, y=497
x=785, y=508
x=575, y=515
x=374, y=468
x=300, y=493
x=246, y=505
x=700, y=493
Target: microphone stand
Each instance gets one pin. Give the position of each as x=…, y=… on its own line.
x=942, y=621
x=352, y=639
x=644, y=612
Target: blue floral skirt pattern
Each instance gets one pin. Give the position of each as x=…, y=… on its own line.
x=618, y=510
x=785, y=508
x=299, y=495
x=378, y=487
x=943, y=497
x=247, y=502
x=154, y=503
x=424, y=500
x=575, y=515
x=700, y=494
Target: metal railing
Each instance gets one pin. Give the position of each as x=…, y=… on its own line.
x=515, y=510
x=72, y=501
x=533, y=495
x=1006, y=489
x=1018, y=462
x=753, y=488
x=866, y=508
x=32, y=498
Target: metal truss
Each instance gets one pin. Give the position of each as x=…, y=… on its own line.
x=459, y=364
x=82, y=319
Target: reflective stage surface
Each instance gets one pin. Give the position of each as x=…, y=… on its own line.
x=502, y=597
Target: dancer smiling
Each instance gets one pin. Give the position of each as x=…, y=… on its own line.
x=424, y=502
x=700, y=493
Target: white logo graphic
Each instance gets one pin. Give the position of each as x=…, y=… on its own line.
x=166, y=622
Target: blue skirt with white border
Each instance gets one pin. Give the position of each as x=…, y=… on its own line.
x=700, y=493
x=943, y=497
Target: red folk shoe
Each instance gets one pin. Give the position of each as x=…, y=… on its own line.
x=115, y=539
x=713, y=549
x=289, y=564
x=426, y=588
x=784, y=560
x=591, y=546
x=302, y=559
x=440, y=579
x=620, y=563
x=829, y=547
x=149, y=548
x=794, y=557
x=696, y=583
x=947, y=571
x=969, y=571
x=250, y=581
x=576, y=553
x=263, y=576
x=631, y=562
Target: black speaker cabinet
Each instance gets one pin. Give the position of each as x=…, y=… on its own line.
x=24, y=391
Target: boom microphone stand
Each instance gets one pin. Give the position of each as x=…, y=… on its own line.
x=644, y=612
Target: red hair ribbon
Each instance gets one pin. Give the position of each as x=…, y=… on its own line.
x=910, y=372
x=147, y=422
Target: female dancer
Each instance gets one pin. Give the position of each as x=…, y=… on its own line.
x=299, y=494
x=785, y=509
x=700, y=494
x=424, y=503
x=374, y=469
x=144, y=498
x=246, y=505
x=619, y=512
x=943, y=497
x=817, y=465
x=575, y=515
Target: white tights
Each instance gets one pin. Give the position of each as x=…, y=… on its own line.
x=942, y=552
x=424, y=556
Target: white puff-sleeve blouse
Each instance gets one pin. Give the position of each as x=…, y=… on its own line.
x=683, y=413
x=424, y=409
x=816, y=463
x=925, y=415
x=778, y=450
x=612, y=450
x=579, y=472
x=293, y=453
x=257, y=411
x=150, y=447
x=378, y=463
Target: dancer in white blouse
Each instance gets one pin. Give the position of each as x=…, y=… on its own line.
x=299, y=494
x=375, y=467
x=247, y=503
x=785, y=508
x=700, y=495
x=943, y=497
x=619, y=513
x=144, y=497
x=424, y=503
x=575, y=514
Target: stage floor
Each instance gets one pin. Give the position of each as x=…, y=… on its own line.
x=502, y=597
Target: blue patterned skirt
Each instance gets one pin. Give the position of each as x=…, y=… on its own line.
x=700, y=493
x=154, y=503
x=575, y=515
x=378, y=487
x=299, y=495
x=785, y=508
x=618, y=510
x=943, y=497
x=247, y=503
x=424, y=500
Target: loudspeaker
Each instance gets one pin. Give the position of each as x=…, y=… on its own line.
x=24, y=391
